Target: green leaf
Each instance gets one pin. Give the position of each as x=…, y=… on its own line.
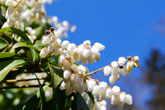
x=40, y=31
x=17, y=32
x=2, y=45
x=91, y=98
x=79, y=103
x=31, y=104
x=21, y=44
x=6, y=54
x=42, y=95
x=7, y=66
x=56, y=75
x=34, y=55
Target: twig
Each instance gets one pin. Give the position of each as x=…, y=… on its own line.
x=15, y=80
x=24, y=86
x=96, y=70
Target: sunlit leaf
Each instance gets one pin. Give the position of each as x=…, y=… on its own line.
x=21, y=44
x=7, y=66
x=6, y=54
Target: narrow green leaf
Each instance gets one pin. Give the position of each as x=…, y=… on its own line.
x=34, y=55
x=21, y=44
x=6, y=54
x=7, y=66
x=42, y=95
x=2, y=45
x=17, y=32
x=31, y=104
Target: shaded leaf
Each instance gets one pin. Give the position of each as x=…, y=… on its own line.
x=79, y=103
x=42, y=95
x=31, y=104
x=17, y=32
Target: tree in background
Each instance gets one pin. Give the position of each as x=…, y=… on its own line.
x=155, y=76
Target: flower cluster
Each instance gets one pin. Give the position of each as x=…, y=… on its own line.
x=14, y=13
x=103, y=91
x=123, y=66
x=76, y=77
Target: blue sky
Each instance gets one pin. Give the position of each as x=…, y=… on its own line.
x=125, y=27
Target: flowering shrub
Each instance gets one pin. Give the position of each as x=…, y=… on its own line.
x=32, y=55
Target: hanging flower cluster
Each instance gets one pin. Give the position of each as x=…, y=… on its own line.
x=76, y=77
x=123, y=66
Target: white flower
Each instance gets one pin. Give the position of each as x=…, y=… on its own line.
x=61, y=60
x=46, y=40
x=65, y=44
x=81, y=69
x=115, y=72
x=86, y=53
x=100, y=46
x=128, y=99
x=109, y=93
x=66, y=74
x=43, y=52
x=107, y=70
x=62, y=86
x=136, y=58
x=94, y=49
x=55, y=19
x=84, y=60
x=122, y=97
x=87, y=44
x=116, y=90
x=73, y=28
x=123, y=71
x=91, y=84
x=129, y=66
x=92, y=58
x=10, y=3
x=66, y=25
x=71, y=47
x=103, y=85
x=121, y=60
x=97, y=56
x=73, y=78
x=96, y=90
x=114, y=64
x=112, y=79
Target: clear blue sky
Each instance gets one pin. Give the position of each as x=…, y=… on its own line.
x=125, y=27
